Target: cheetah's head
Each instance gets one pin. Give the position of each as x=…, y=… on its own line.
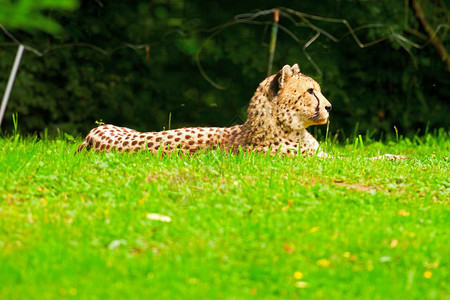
x=297, y=99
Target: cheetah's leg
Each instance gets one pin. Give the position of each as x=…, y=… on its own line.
x=289, y=148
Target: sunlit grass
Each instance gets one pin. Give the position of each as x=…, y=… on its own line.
x=216, y=226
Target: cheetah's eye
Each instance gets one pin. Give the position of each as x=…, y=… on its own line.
x=311, y=91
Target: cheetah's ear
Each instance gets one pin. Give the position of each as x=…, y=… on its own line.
x=296, y=69
x=279, y=79
x=285, y=74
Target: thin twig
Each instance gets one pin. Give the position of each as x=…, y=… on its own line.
x=16, y=42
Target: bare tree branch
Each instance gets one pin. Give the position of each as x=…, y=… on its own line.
x=434, y=40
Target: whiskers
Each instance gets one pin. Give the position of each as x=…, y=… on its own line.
x=316, y=116
x=319, y=118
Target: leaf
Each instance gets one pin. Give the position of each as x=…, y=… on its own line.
x=158, y=217
x=27, y=15
x=116, y=244
x=385, y=258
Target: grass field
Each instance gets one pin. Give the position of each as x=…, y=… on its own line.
x=219, y=226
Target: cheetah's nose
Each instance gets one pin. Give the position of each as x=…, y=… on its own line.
x=328, y=107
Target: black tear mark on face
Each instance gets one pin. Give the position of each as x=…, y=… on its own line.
x=274, y=86
x=311, y=91
x=318, y=104
x=317, y=113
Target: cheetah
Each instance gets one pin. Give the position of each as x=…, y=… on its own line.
x=281, y=109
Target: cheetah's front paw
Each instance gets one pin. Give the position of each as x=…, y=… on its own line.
x=389, y=156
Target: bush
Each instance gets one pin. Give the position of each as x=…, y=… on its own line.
x=74, y=83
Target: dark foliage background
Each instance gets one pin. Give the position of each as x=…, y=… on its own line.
x=72, y=85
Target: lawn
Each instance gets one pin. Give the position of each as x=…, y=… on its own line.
x=220, y=226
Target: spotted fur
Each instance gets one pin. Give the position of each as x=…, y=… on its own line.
x=281, y=109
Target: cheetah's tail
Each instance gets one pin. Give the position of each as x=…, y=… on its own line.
x=81, y=147
x=87, y=143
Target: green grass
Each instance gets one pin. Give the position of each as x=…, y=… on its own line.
x=242, y=226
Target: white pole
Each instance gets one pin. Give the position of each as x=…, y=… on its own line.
x=11, y=82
